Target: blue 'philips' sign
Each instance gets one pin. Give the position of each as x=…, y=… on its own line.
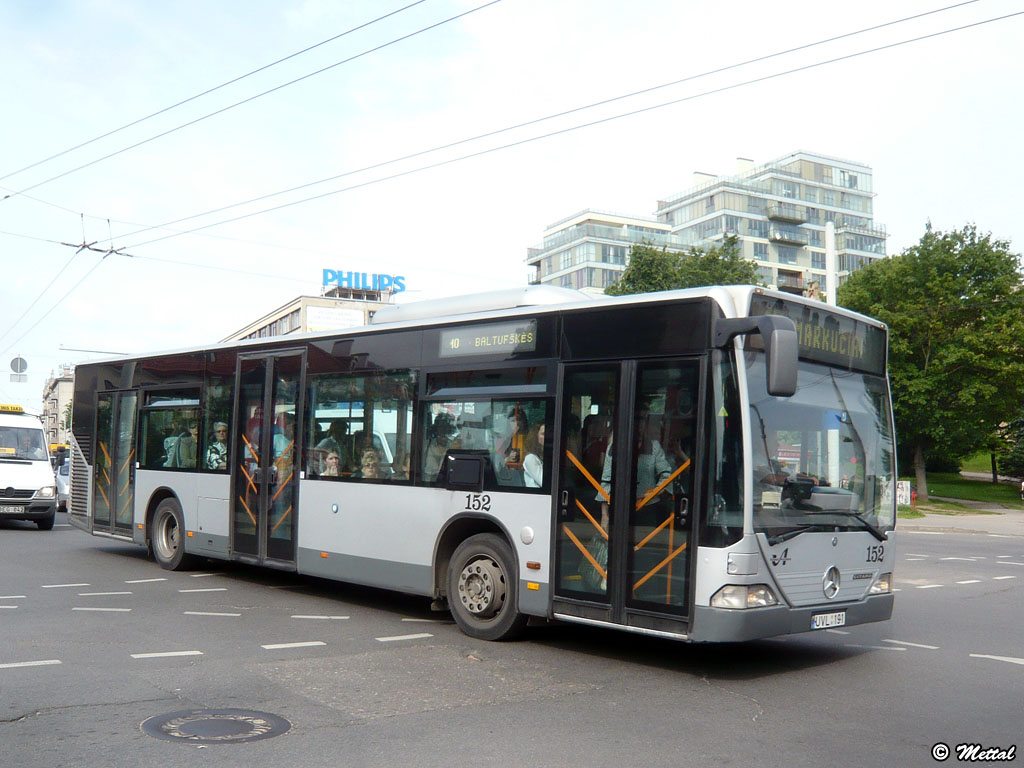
x=363, y=281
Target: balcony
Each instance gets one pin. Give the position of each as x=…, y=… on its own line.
x=790, y=283
x=796, y=214
x=789, y=235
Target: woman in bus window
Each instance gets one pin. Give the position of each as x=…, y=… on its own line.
x=217, y=453
x=332, y=465
x=533, y=464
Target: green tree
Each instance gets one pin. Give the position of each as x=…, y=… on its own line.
x=953, y=308
x=652, y=269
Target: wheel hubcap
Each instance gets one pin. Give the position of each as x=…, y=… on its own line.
x=482, y=587
x=167, y=537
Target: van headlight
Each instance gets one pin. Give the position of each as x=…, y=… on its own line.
x=744, y=596
x=46, y=492
x=882, y=585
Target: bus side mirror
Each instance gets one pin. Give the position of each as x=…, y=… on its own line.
x=780, y=347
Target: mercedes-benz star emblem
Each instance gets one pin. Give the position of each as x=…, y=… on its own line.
x=830, y=584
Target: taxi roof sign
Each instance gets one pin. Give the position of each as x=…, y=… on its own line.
x=7, y=408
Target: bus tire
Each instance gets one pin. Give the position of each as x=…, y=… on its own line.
x=167, y=536
x=482, y=589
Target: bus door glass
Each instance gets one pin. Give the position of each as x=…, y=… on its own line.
x=662, y=456
x=264, y=472
x=623, y=525
x=114, y=462
x=584, y=492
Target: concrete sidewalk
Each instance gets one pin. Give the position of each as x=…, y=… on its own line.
x=1005, y=522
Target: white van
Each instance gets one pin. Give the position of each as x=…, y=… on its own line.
x=27, y=487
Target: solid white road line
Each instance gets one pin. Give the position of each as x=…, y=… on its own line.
x=212, y=589
x=165, y=654
x=208, y=613
x=100, y=594
x=109, y=610
x=403, y=637
x=324, y=618
x=45, y=663
x=60, y=586
x=912, y=645
x=1010, y=659
x=277, y=646
x=144, y=581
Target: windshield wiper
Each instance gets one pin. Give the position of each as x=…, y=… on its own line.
x=878, y=534
x=804, y=528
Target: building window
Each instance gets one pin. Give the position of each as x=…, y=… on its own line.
x=817, y=260
x=761, y=251
x=787, y=255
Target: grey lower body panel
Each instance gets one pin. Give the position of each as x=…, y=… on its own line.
x=401, y=577
x=722, y=624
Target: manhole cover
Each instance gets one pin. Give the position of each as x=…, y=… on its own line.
x=215, y=726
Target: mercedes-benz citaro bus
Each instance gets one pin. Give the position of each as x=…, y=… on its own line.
x=714, y=464
x=27, y=485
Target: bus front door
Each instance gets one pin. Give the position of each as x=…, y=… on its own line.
x=622, y=505
x=113, y=503
x=265, y=469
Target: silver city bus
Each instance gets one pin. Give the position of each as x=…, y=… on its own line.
x=714, y=464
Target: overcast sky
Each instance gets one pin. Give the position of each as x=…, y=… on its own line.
x=938, y=120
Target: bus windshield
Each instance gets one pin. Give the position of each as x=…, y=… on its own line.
x=823, y=460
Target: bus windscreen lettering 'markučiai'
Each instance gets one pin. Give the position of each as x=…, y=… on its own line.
x=714, y=464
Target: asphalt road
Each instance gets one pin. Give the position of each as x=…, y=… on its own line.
x=370, y=678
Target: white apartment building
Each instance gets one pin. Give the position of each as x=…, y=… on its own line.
x=779, y=212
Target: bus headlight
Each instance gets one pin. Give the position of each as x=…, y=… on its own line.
x=744, y=596
x=882, y=585
x=46, y=492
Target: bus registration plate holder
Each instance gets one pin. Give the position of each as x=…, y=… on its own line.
x=828, y=620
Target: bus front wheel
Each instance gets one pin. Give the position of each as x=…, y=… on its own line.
x=482, y=589
x=168, y=536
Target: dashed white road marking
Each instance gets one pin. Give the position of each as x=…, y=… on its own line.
x=61, y=586
x=913, y=559
x=211, y=589
x=12, y=597
x=323, y=618
x=998, y=536
x=165, y=654
x=1000, y=578
x=876, y=647
x=44, y=663
x=208, y=613
x=998, y=556
x=970, y=581
x=108, y=610
x=837, y=631
x=912, y=645
x=403, y=637
x=101, y=594
x=925, y=533
x=1009, y=562
x=915, y=554
x=201, y=575
x=1010, y=659
x=929, y=586
x=276, y=646
x=967, y=559
x=12, y=607
x=144, y=581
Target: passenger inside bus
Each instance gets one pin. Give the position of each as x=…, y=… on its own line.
x=217, y=453
x=332, y=465
x=370, y=466
x=533, y=464
x=439, y=436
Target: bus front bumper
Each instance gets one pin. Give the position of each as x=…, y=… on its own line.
x=725, y=625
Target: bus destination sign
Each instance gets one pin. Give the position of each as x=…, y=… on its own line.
x=497, y=339
x=829, y=337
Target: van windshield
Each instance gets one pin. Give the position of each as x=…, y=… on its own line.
x=22, y=443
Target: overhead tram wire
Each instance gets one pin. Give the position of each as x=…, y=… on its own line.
x=208, y=91
x=119, y=252
x=546, y=118
x=253, y=98
x=592, y=123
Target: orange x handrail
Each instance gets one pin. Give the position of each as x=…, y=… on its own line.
x=659, y=566
x=590, y=478
x=655, y=491
x=586, y=553
x=287, y=512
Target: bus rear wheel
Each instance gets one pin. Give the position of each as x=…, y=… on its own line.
x=167, y=536
x=482, y=586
